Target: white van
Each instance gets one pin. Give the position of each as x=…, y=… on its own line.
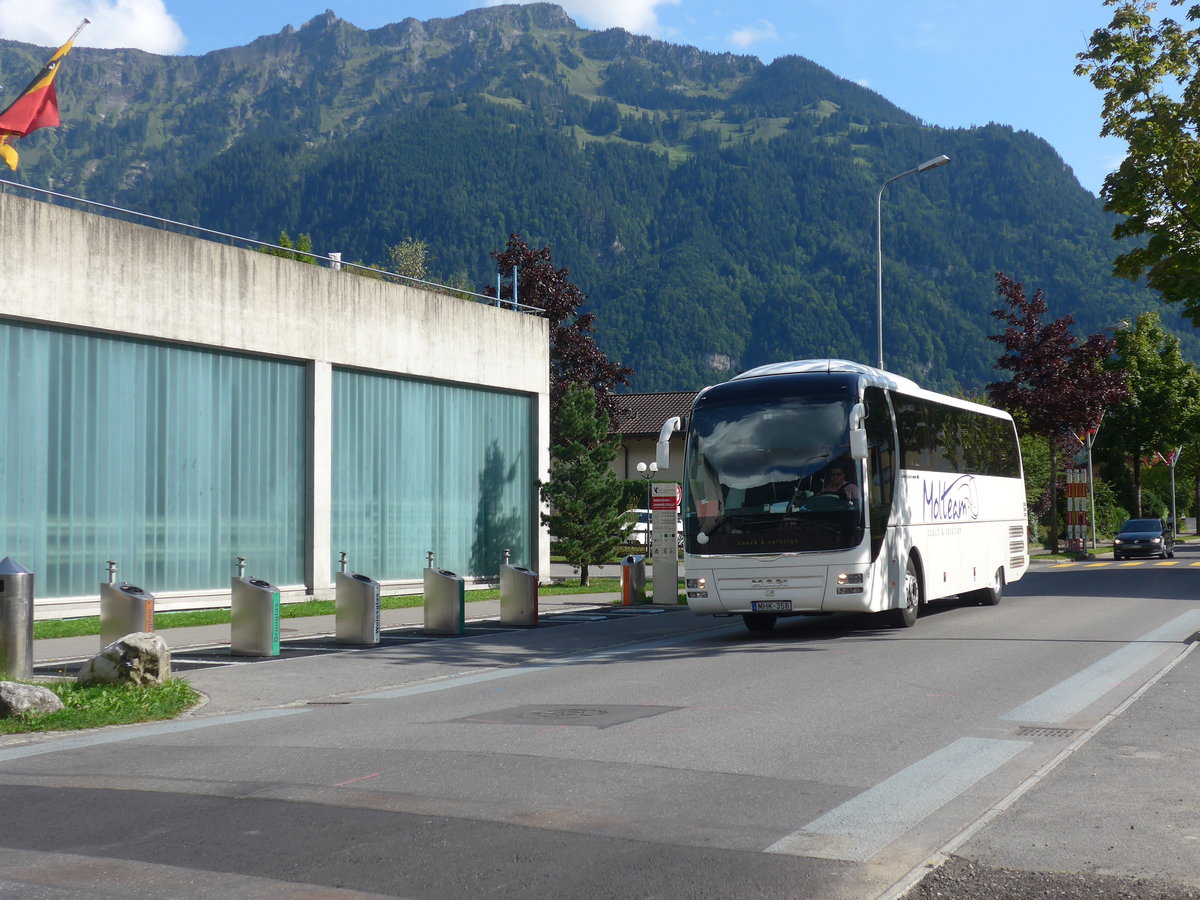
x=640, y=533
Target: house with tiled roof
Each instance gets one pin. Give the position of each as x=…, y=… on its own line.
x=639, y=423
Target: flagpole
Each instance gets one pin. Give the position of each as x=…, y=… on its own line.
x=86, y=21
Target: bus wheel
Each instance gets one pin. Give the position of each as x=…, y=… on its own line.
x=906, y=615
x=990, y=595
x=759, y=622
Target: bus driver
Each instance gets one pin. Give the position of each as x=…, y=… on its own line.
x=836, y=483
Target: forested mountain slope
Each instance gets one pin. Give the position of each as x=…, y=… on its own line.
x=719, y=212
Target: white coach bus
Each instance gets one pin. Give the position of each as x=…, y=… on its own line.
x=824, y=486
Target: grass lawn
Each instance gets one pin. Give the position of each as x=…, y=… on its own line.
x=93, y=706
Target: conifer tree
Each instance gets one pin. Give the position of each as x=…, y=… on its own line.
x=583, y=493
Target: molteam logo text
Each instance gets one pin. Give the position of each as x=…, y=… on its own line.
x=950, y=502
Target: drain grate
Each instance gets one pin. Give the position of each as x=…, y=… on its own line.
x=567, y=712
x=1037, y=731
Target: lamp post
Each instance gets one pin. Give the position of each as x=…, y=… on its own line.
x=1120, y=325
x=1090, y=439
x=923, y=167
x=648, y=472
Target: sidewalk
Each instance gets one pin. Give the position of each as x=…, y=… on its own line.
x=86, y=646
x=1115, y=818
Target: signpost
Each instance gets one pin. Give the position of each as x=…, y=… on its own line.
x=664, y=528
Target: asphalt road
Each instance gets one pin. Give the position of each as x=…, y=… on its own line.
x=651, y=755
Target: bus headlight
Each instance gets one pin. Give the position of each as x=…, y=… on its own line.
x=849, y=578
x=696, y=584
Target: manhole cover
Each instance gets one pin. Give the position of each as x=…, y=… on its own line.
x=565, y=715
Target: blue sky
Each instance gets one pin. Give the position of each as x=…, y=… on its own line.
x=953, y=63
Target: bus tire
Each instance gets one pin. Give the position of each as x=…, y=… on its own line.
x=759, y=622
x=990, y=595
x=906, y=616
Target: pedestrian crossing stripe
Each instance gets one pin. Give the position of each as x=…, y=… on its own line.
x=1123, y=565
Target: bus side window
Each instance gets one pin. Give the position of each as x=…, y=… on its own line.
x=914, y=440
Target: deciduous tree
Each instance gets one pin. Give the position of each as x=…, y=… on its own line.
x=303, y=244
x=1058, y=386
x=1162, y=410
x=1149, y=71
x=410, y=258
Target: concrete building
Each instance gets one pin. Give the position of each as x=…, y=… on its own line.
x=173, y=403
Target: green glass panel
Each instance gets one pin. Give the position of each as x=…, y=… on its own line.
x=171, y=460
x=419, y=466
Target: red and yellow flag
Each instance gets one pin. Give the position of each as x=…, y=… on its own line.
x=36, y=107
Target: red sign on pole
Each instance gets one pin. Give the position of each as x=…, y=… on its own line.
x=666, y=501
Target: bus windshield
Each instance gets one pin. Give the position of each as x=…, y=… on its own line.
x=772, y=478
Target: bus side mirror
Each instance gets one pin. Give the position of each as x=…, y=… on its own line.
x=858, y=443
x=858, y=434
x=662, y=452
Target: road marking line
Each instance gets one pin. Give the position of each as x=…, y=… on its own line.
x=864, y=825
x=356, y=780
x=133, y=733
x=449, y=682
x=1068, y=565
x=1069, y=697
x=1167, y=562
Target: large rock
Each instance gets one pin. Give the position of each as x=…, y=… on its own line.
x=139, y=659
x=18, y=699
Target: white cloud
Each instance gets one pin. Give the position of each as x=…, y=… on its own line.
x=637, y=16
x=144, y=24
x=762, y=30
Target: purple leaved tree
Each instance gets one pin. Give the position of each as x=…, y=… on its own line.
x=1058, y=387
x=575, y=359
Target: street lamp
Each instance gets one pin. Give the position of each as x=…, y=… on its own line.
x=923, y=167
x=648, y=472
x=1120, y=325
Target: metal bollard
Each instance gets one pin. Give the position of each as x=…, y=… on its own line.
x=444, y=602
x=124, y=608
x=254, y=618
x=518, y=596
x=356, y=609
x=16, y=620
x=633, y=580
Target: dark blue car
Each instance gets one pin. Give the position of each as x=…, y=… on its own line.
x=1144, y=537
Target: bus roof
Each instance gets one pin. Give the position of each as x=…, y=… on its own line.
x=873, y=376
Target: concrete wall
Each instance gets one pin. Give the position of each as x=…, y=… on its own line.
x=81, y=270
x=636, y=450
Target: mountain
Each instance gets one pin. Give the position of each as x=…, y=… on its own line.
x=719, y=212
